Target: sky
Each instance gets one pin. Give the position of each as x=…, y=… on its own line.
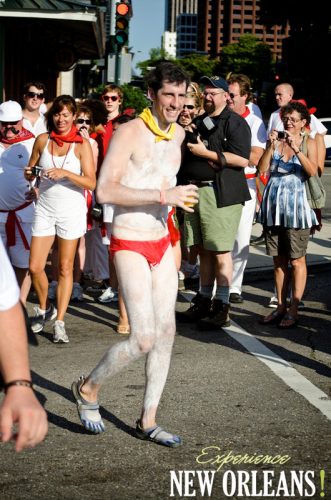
x=146, y=27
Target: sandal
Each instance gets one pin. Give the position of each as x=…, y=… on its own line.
x=158, y=435
x=88, y=412
x=123, y=329
x=293, y=321
x=272, y=319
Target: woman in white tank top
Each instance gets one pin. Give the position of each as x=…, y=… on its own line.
x=67, y=169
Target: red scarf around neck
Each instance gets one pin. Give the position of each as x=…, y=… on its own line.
x=71, y=136
x=24, y=135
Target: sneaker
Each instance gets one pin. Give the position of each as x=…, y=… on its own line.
x=259, y=240
x=52, y=287
x=77, y=293
x=40, y=318
x=181, y=283
x=59, y=333
x=273, y=303
x=236, y=298
x=218, y=318
x=101, y=286
x=200, y=308
x=108, y=296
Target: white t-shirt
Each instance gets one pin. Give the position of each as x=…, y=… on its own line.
x=254, y=108
x=9, y=290
x=38, y=128
x=259, y=135
x=275, y=122
x=13, y=185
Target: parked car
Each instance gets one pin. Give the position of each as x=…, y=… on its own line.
x=327, y=139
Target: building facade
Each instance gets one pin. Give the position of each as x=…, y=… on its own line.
x=174, y=8
x=221, y=22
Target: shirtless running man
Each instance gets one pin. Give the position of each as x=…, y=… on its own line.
x=139, y=176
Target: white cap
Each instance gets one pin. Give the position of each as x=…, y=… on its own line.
x=10, y=111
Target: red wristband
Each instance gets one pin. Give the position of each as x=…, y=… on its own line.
x=162, y=197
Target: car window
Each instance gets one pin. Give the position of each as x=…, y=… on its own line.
x=327, y=124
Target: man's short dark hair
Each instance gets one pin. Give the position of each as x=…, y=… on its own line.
x=166, y=71
x=34, y=83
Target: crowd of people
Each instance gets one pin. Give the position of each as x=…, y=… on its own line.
x=133, y=201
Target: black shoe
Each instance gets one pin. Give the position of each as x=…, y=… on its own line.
x=260, y=240
x=218, y=317
x=236, y=298
x=200, y=308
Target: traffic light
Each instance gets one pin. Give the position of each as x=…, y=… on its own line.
x=123, y=14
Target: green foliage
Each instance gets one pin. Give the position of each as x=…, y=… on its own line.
x=134, y=98
x=155, y=55
x=197, y=65
x=248, y=56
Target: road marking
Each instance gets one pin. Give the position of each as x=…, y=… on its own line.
x=281, y=368
x=284, y=370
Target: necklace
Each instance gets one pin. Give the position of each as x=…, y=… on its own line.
x=52, y=147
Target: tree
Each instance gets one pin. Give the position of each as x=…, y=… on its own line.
x=248, y=56
x=134, y=98
x=198, y=65
x=155, y=55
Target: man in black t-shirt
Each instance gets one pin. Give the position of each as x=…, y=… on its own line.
x=215, y=163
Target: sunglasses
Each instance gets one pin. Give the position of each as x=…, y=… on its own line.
x=110, y=98
x=188, y=106
x=213, y=94
x=81, y=120
x=4, y=124
x=33, y=95
x=232, y=95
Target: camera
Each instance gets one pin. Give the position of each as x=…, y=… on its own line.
x=191, y=137
x=36, y=171
x=97, y=212
x=281, y=135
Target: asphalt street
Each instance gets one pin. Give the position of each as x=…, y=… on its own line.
x=220, y=397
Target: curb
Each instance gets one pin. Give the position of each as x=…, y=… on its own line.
x=257, y=273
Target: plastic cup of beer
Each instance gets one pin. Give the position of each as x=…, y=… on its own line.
x=190, y=203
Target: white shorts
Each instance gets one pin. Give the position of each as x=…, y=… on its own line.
x=18, y=255
x=69, y=225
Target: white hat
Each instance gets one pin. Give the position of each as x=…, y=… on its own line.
x=10, y=111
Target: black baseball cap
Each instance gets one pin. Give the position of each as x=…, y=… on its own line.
x=215, y=81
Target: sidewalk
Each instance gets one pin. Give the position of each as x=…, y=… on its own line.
x=318, y=255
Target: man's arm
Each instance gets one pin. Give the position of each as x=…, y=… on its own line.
x=114, y=168
x=232, y=160
x=19, y=405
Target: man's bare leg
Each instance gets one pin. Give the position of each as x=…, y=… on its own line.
x=24, y=282
x=158, y=359
x=135, y=280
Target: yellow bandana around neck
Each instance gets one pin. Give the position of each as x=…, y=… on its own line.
x=148, y=119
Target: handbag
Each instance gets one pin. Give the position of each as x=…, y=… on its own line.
x=315, y=192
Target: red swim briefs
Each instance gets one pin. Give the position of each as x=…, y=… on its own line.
x=153, y=250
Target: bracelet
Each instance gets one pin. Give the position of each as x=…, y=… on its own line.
x=22, y=383
x=297, y=152
x=162, y=197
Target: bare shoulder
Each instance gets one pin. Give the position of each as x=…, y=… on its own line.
x=129, y=131
x=180, y=132
x=41, y=140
